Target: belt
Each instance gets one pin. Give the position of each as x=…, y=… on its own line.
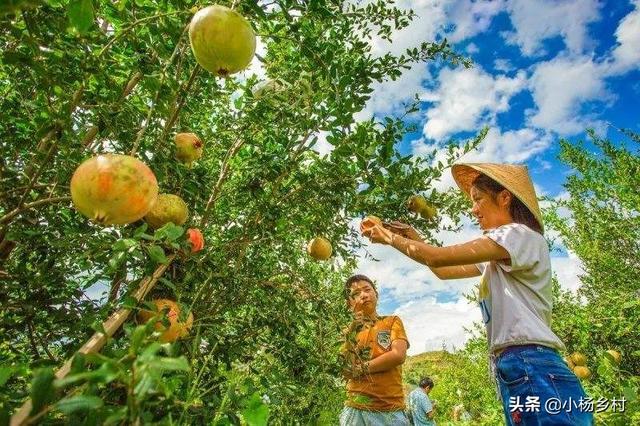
x=503, y=351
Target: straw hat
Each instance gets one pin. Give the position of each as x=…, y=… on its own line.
x=514, y=178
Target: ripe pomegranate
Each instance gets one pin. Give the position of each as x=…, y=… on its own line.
x=222, y=40
x=188, y=147
x=369, y=222
x=582, y=372
x=176, y=329
x=578, y=358
x=113, y=189
x=167, y=208
x=319, y=248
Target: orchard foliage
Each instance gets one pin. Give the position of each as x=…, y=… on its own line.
x=82, y=77
x=599, y=221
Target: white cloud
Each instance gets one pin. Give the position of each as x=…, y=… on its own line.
x=511, y=146
x=472, y=17
x=429, y=324
x=568, y=269
x=472, y=48
x=321, y=146
x=387, y=97
x=626, y=54
x=431, y=18
x=466, y=99
x=537, y=20
x=503, y=65
x=560, y=87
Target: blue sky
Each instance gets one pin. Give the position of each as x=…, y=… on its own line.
x=543, y=70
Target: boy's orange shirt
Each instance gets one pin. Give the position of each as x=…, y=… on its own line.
x=379, y=391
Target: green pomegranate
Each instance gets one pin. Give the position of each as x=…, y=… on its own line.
x=167, y=208
x=319, y=248
x=113, y=189
x=188, y=147
x=419, y=204
x=222, y=40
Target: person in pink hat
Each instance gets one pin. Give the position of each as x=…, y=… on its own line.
x=535, y=385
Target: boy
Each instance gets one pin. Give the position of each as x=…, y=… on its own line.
x=421, y=406
x=375, y=349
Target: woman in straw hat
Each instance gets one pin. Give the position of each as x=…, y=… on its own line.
x=512, y=257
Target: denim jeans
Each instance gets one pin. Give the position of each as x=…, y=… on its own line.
x=537, y=388
x=353, y=417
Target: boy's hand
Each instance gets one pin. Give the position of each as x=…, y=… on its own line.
x=358, y=369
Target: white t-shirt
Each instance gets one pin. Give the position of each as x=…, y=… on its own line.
x=516, y=299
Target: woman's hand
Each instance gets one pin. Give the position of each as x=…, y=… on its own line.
x=379, y=234
x=404, y=230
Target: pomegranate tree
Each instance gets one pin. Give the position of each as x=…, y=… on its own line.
x=113, y=189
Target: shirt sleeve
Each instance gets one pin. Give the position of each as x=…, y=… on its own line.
x=426, y=404
x=397, y=331
x=519, y=241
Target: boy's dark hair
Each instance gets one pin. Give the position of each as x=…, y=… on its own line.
x=426, y=382
x=354, y=278
x=519, y=212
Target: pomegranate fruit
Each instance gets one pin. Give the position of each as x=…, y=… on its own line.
x=222, y=40
x=319, y=248
x=582, y=372
x=113, y=189
x=176, y=329
x=615, y=355
x=188, y=147
x=419, y=204
x=167, y=208
x=578, y=358
x=369, y=222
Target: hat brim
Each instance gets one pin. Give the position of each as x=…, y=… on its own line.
x=522, y=188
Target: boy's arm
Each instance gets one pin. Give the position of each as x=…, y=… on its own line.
x=389, y=360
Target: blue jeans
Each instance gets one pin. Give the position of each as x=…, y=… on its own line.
x=353, y=417
x=538, y=388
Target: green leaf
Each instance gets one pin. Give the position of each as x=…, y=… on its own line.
x=5, y=374
x=81, y=14
x=256, y=412
x=116, y=261
x=137, y=337
x=79, y=403
x=170, y=364
x=630, y=394
x=124, y=244
x=156, y=253
x=42, y=390
x=169, y=232
x=78, y=363
x=140, y=230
